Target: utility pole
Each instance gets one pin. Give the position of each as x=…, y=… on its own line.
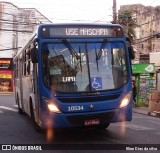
x=15, y=36
x=114, y=11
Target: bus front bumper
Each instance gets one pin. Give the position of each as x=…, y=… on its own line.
x=61, y=120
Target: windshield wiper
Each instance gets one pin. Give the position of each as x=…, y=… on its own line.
x=96, y=59
x=80, y=58
x=72, y=51
x=101, y=48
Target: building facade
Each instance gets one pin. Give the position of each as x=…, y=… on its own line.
x=148, y=21
x=16, y=26
x=6, y=75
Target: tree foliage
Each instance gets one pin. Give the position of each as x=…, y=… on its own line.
x=126, y=19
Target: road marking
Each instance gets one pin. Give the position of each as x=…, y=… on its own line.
x=132, y=126
x=137, y=127
x=15, y=105
x=139, y=117
x=117, y=141
x=154, y=122
x=158, y=133
x=8, y=108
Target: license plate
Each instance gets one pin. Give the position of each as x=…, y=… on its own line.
x=91, y=122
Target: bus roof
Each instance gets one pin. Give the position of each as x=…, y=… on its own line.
x=79, y=24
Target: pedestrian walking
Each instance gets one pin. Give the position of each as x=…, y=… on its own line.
x=134, y=90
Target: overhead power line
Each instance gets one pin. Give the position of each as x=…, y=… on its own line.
x=149, y=21
x=16, y=30
x=10, y=49
x=146, y=38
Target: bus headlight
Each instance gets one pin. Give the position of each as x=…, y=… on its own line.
x=52, y=107
x=126, y=99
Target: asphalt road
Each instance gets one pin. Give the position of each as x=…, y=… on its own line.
x=18, y=129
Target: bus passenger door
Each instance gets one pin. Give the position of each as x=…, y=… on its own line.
x=35, y=96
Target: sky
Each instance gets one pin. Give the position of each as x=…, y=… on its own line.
x=59, y=11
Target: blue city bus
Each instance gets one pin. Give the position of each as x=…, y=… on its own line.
x=75, y=75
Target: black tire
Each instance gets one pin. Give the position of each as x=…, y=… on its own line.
x=20, y=111
x=36, y=126
x=103, y=126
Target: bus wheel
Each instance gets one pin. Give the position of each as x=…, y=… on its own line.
x=36, y=126
x=20, y=111
x=103, y=126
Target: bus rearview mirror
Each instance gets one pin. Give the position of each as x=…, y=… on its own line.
x=130, y=49
x=131, y=53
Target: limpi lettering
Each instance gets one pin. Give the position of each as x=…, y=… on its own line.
x=69, y=79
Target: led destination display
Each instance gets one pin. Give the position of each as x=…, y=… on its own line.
x=81, y=32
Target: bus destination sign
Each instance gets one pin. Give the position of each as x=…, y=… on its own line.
x=81, y=31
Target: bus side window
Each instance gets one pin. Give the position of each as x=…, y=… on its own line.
x=28, y=61
x=16, y=69
x=24, y=64
x=34, y=52
x=28, y=68
x=131, y=53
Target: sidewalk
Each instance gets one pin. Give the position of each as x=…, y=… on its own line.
x=144, y=111
x=141, y=110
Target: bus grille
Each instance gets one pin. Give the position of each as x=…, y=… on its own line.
x=79, y=120
x=88, y=99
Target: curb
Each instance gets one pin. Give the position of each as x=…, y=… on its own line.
x=145, y=112
x=139, y=112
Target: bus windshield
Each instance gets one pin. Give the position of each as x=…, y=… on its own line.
x=84, y=65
